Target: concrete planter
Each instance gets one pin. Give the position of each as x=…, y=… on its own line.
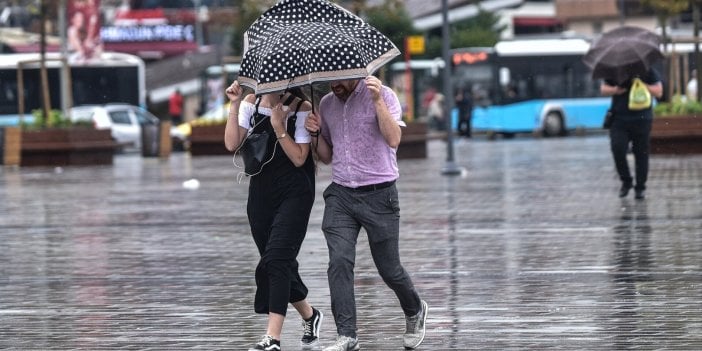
x=677, y=135
x=69, y=146
x=208, y=140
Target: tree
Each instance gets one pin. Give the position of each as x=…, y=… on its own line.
x=482, y=30
x=249, y=11
x=392, y=19
x=665, y=9
x=696, y=28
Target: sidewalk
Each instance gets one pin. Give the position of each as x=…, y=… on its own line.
x=530, y=249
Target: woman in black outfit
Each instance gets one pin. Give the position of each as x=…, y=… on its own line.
x=279, y=205
x=633, y=127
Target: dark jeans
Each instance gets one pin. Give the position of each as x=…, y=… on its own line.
x=378, y=212
x=621, y=134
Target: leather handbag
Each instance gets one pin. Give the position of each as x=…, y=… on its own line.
x=258, y=147
x=255, y=151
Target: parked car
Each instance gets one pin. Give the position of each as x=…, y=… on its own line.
x=124, y=121
x=215, y=116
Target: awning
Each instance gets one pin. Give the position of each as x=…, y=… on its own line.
x=462, y=12
x=153, y=50
x=536, y=21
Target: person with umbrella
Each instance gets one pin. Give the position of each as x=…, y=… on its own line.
x=631, y=127
x=618, y=57
x=280, y=201
x=300, y=42
x=358, y=131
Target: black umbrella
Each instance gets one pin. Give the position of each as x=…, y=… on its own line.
x=299, y=42
x=623, y=53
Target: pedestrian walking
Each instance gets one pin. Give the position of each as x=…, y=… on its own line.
x=358, y=131
x=279, y=205
x=631, y=127
x=464, y=104
x=175, y=107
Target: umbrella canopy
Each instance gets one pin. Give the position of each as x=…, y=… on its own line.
x=623, y=53
x=299, y=42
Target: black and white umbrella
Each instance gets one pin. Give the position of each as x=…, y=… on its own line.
x=299, y=42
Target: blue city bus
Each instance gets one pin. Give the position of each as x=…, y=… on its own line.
x=530, y=86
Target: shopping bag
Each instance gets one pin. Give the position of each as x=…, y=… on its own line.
x=639, y=96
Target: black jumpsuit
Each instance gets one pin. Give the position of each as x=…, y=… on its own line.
x=279, y=205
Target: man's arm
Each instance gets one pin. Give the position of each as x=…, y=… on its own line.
x=389, y=128
x=609, y=90
x=656, y=89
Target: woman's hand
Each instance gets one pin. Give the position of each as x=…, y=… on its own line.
x=279, y=115
x=234, y=92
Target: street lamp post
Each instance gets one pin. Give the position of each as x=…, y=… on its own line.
x=450, y=167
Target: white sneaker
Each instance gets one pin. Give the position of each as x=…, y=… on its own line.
x=416, y=328
x=344, y=343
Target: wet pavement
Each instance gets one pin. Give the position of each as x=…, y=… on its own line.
x=530, y=249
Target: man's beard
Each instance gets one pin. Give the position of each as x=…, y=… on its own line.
x=343, y=91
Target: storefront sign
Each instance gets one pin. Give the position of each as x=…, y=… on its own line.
x=157, y=33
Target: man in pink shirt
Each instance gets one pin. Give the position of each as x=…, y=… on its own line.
x=358, y=132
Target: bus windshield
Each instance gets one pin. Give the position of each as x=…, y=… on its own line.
x=117, y=78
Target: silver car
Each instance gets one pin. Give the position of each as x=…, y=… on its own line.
x=125, y=122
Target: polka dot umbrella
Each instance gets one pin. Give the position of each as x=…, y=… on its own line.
x=300, y=42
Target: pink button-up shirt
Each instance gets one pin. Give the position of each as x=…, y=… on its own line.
x=360, y=154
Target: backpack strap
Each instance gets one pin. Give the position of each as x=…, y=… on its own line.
x=251, y=118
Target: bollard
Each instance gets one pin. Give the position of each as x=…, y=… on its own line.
x=10, y=146
x=149, y=140
x=165, y=144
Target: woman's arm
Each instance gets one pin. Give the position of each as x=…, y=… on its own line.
x=233, y=133
x=324, y=151
x=297, y=153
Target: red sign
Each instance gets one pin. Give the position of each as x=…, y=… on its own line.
x=469, y=58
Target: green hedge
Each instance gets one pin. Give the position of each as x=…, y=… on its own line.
x=677, y=106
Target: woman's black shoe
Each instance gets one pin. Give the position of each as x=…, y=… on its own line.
x=640, y=194
x=624, y=190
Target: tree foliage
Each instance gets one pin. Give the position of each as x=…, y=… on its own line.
x=249, y=11
x=664, y=10
x=482, y=30
x=392, y=19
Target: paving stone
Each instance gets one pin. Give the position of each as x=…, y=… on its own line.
x=529, y=249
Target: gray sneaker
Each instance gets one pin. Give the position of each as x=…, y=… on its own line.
x=344, y=343
x=416, y=328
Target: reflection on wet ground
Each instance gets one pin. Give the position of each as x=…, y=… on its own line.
x=529, y=250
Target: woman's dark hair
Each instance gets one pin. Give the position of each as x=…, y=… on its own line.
x=299, y=93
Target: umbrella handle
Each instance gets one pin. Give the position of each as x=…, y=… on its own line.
x=312, y=96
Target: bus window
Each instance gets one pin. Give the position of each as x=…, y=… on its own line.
x=522, y=81
x=115, y=77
